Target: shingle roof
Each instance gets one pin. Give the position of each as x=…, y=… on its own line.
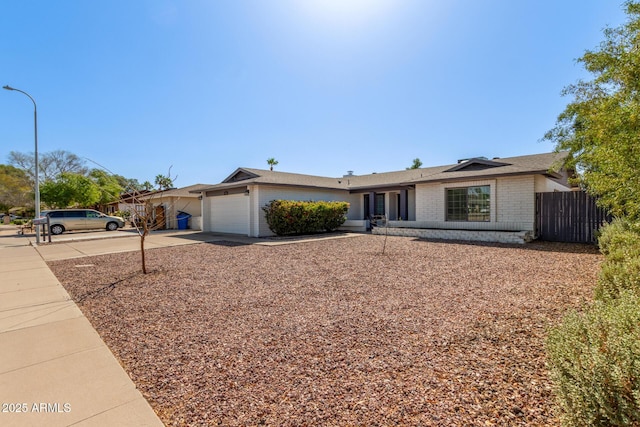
x=480, y=168
x=530, y=164
x=268, y=177
x=521, y=165
x=187, y=191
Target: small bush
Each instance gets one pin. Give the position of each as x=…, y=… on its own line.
x=617, y=276
x=620, y=234
x=620, y=243
x=18, y=221
x=287, y=217
x=594, y=360
x=126, y=215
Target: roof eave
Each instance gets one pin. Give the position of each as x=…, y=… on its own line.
x=488, y=176
x=254, y=181
x=385, y=187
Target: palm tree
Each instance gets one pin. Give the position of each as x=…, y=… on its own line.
x=271, y=162
x=163, y=182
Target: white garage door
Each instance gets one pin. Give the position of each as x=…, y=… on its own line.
x=230, y=214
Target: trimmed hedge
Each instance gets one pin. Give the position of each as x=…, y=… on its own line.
x=594, y=359
x=290, y=217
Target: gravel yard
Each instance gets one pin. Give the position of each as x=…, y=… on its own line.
x=334, y=332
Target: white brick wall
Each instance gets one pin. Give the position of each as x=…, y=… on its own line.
x=465, y=235
x=431, y=200
x=512, y=204
x=516, y=200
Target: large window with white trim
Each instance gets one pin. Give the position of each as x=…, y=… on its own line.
x=469, y=203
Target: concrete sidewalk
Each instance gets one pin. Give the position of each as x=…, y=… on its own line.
x=54, y=368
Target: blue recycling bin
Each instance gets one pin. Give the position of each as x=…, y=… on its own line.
x=183, y=220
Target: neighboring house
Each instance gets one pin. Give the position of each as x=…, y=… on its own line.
x=127, y=202
x=168, y=203
x=475, y=199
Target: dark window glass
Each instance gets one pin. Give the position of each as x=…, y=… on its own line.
x=75, y=214
x=367, y=207
x=379, y=205
x=55, y=214
x=469, y=204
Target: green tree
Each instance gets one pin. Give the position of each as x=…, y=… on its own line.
x=163, y=182
x=271, y=162
x=70, y=189
x=417, y=164
x=15, y=188
x=600, y=128
x=128, y=184
x=108, y=186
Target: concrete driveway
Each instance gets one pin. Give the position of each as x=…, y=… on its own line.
x=81, y=244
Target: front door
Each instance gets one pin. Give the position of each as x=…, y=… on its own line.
x=159, y=222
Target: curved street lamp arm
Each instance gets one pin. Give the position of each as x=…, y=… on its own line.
x=37, y=171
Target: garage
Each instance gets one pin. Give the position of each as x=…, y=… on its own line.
x=230, y=214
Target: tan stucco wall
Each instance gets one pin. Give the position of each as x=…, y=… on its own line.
x=262, y=195
x=544, y=184
x=172, y=205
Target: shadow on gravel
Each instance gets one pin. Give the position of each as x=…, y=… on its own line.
x=227, y=243
x=575, y=248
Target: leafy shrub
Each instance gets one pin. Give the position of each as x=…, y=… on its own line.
x=297, y=217
x=18, y=221
x=594, y=359
x=620, y=243
x=126, y=215
x=618, y=276
x=619, y=234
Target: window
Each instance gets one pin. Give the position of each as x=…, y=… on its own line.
x=469, y=204
x=75, y=214
x=379, y=204
x=367, y=207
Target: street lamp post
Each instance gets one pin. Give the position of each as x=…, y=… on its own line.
x=37, y=182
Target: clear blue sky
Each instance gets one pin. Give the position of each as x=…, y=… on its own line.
x=323, y=86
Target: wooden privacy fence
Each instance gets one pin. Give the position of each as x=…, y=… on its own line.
x=568, y=216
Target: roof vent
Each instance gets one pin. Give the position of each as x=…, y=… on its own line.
x=466, y=160
x=349, y=173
